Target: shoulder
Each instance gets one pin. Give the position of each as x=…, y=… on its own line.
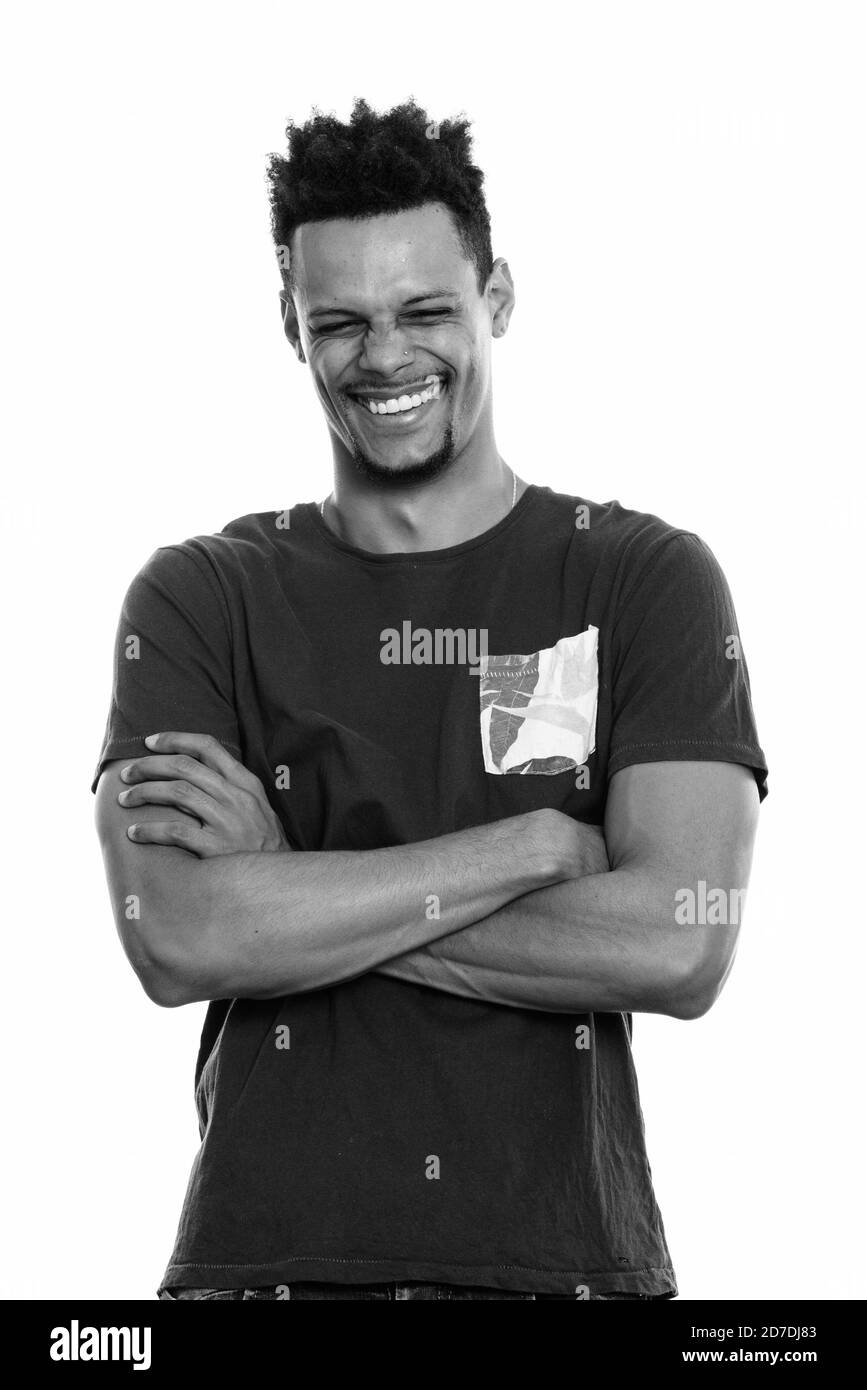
x=626, y=541
x=243, y=545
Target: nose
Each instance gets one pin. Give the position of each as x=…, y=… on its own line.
x=385, y=352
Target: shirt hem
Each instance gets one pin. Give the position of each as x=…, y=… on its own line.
x=693, y=750
x=653, y=1280
x=117, y=748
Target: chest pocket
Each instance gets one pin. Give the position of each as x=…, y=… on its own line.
x=537, y=713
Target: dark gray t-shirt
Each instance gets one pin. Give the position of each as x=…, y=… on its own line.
x=398, y=1132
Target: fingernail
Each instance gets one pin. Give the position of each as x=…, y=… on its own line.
x=151, y=740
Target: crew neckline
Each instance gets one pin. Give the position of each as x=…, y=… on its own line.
x=417, y=557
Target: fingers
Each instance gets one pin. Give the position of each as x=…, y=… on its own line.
x=182, y=834
x=169, y=768
x=184, y=795
x=205, y=749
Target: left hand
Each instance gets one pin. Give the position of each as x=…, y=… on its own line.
x=194, y=773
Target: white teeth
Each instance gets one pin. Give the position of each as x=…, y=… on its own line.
x=398, y=404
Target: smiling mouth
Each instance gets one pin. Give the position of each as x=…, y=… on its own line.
x=406, y=404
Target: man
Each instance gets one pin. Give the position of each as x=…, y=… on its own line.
x=446, y=776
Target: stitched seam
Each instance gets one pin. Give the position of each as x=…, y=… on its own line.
x=207, y=568
x=648, y=566
x=431, y=557
x=452, y=1264
x=211, y=582
x=693, y=742
x=134, y=738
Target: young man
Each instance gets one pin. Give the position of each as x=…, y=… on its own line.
x=446, y=777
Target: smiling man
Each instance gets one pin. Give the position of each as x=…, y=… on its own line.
x=390, y=421
x=411, y=785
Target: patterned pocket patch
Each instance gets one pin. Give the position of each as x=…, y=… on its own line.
x=538, y=712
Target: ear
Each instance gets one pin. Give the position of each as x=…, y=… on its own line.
x=501, y=297
x=290, y=324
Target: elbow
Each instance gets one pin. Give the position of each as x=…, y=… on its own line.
x=168, y=948
x=171, y=982
x=165, y=989
x=164, y=975
x=186, y=976
x=692, y=1003
x=698, y=983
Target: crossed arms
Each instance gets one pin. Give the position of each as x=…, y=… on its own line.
x=535, y=911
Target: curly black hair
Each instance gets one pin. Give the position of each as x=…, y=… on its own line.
x=379, y=163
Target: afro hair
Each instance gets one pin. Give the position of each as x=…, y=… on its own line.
x=379, y=163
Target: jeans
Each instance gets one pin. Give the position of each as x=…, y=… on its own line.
x=382, y=1292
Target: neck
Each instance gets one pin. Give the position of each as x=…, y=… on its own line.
x=456, y=506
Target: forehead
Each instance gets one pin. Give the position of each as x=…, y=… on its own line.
x=372, y=259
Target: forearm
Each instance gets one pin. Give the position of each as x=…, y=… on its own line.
x=269, y=924
x=602, y=943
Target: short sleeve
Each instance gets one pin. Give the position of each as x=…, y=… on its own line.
x=172, y=658
x=680, y=684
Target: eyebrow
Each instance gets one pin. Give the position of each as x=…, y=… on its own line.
x=416, y=299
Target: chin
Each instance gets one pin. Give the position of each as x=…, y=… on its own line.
x=409, y=471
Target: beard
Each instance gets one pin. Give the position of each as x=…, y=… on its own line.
x=413, y=473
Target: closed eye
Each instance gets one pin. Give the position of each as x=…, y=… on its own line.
x=336, y=327
x=339, y=325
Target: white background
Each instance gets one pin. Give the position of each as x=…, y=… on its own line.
x=678, y=189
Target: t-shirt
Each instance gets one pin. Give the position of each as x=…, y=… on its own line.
x=379, y=1130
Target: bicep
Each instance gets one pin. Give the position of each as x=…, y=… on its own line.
x=148, y=884
x=685, y=832
x=687, y=816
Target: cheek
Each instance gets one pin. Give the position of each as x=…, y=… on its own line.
x=327, y=361
x=473, y=385
x=325, y=372
x=470, y=356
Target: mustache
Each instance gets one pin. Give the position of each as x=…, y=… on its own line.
x=397, y=388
